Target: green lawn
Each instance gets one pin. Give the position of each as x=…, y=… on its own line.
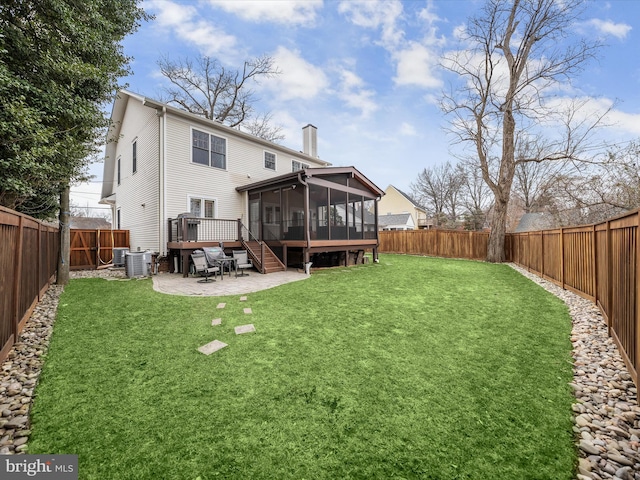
x=410, y=368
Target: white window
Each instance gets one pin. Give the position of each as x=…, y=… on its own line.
x=208, y=149
x=134, y=155
x=202, y=207
x=270, y=160
x=295, y=166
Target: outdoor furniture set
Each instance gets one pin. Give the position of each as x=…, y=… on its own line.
x=212, y=260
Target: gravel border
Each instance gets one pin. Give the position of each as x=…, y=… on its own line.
x=606, y=412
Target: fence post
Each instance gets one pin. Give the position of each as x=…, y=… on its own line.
x=239, y=229
x=39, y=250
x=562, y=257
x=595, y=264
x=635, y=302
x=610, y=280
x=528, y=251
x=542, y=253
x=17, y=271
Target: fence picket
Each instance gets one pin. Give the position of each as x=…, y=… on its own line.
x=27, y=267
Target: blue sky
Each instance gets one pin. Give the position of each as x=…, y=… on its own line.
x=365, y=73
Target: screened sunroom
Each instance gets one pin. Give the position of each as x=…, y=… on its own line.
x=327, y=216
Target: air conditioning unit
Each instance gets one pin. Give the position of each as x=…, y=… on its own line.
x=118, y=256
x=137, y=264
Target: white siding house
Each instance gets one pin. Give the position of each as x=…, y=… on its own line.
x=161, y=161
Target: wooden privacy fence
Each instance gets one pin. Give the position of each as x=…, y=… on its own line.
x=437, y=243
x=92, y=248
x=28, y=261
x=599, y=262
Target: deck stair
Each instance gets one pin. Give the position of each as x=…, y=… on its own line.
x=263, y=257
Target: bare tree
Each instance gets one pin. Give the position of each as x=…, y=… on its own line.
x=476, y=196
x=207, y=88
x=515, y=54
x=262, y=126
x=596, y=192
x=439, y=189
x=578, y=199
x=623, y=175
x=454, y=198
x=533, y=181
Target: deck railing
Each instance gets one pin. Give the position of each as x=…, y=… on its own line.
x=248, y=238
x=202, y=230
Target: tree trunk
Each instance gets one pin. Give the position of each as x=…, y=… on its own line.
x=65, y=238
x=495, y=249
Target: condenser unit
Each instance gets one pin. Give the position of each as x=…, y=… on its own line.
x=118, y=256
x=137, y=264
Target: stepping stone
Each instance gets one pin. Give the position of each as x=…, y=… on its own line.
x=245, y=329
x=247, y=311
x=221, y=305
x=211, y=347
x=243, y=299
x=216, y=321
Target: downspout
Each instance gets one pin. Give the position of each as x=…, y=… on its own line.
x=375, y=250
x=307, y=233
x=162, y=224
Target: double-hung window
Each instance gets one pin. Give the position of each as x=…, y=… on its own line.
x=270, y=160
x=296, y=166
x=209, y=149
x=202, y=207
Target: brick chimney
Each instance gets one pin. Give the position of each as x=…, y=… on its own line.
x=310, y=140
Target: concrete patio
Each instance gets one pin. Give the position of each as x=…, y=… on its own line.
x=176, y=284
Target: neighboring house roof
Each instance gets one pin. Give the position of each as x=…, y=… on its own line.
x=408, y=197
x=530, y=222
x=117, y=114
x=89, y=223
x=394, y=219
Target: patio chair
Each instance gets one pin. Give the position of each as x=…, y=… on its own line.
x=242, y=261
x=202, y=268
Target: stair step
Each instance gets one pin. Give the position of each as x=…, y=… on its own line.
x=270, y=263
x=273, y=270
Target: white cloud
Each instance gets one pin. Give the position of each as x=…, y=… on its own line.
x=615, y=126
x=607, y=27
x=354, y=93
x=408, y=130
x=295, y=12
x=416, y=61
x=417, y=65
x=185, y=23
x=291, y=127
x=460, y=32
x=299, y=78
x=370, y=14
x=430, y=19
